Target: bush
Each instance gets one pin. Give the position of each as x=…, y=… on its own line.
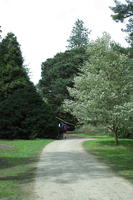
x=92, y=130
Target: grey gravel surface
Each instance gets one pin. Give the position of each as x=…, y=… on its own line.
x=66, y=172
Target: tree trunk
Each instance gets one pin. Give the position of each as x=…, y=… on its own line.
x=116, y=137
x=114, y=131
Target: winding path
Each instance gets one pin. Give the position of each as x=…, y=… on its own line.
x=66, y=172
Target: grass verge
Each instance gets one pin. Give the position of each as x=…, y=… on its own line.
x=120, y=157
x=18, y=160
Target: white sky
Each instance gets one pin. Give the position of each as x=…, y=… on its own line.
x=42, y=27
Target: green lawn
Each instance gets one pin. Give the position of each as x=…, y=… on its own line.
x=80, y=135
x=18, y=160
x=90, y=136
x=120, y=157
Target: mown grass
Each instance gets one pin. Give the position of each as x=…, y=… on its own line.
x=79, y=134
x=120, y=157
x=90, y=130
x=18, y=160
x=90, y=136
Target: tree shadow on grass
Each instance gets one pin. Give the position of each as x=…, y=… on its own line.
x=8, y=162
x=21, y=178
x=73, y=166
x=20, y=170
x=123, y=142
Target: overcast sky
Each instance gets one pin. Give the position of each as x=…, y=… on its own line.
x=42, y=27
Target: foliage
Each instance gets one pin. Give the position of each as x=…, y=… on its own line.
x=25, y=116
x=10, y=53
x=11, y=78
x=90, y=130
x=102, y=92
x=123, y=11
x=57, y=74
x=23, y=113
x=12, y=73
x=118, y=157
x=127, y=51
x=79, y=35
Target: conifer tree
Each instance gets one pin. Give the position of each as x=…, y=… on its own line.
x=79, y=35
x=124, y=12
x=57, y=74
x=23, y=114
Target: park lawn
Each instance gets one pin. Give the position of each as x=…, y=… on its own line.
x=119, y=158
x=18, y=159
x=90, y=136
x=80, y=135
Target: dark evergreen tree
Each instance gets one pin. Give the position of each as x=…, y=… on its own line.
x=12, y=73
x=122, y=12
x=23, y=114
x=10, y=53
x=57, y=74
x=79, y=35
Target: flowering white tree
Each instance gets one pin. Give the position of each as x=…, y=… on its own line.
x=102, y=91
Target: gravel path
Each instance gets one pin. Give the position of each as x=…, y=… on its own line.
x=67, y=172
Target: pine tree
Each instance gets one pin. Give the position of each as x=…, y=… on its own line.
x=79, y=35
x=122, y=12
x=10, y=52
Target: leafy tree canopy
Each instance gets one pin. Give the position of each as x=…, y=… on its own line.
x=57, y=74
x=102, y=93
